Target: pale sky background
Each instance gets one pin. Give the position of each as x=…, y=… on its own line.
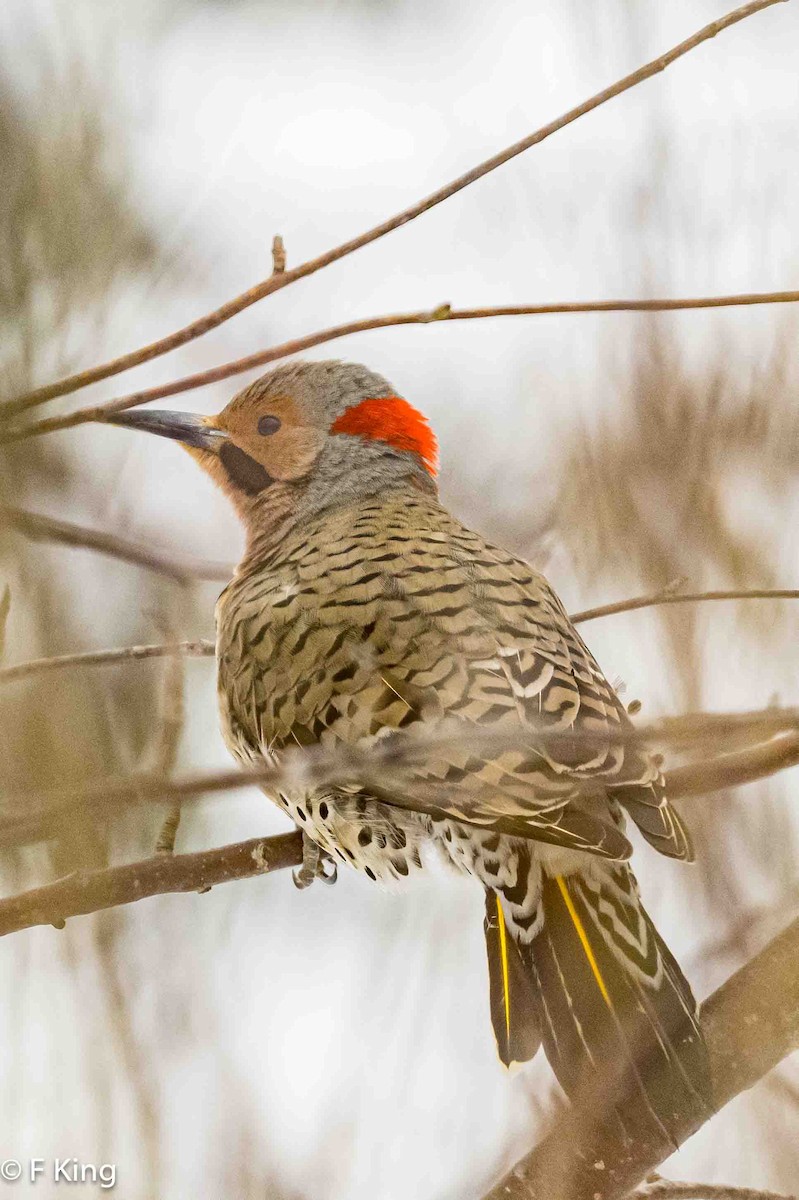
x=337, y=1042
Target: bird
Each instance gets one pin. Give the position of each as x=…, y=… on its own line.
x=362, y=610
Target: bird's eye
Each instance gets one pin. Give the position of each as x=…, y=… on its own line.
x=267, y=425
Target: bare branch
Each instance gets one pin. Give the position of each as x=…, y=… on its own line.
x=750, y=1025
x=443, y=312
x=91, y=891
x=280, y=280
x=94, y=658
x=658, y=598
x=734, y=770
x=51, y=529
x=665, y=1189
x=384, y=767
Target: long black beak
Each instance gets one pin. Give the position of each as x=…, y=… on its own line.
x=188, y=428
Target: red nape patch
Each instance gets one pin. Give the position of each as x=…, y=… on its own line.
x=394, y=421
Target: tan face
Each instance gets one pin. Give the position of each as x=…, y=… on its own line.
x=269, y=432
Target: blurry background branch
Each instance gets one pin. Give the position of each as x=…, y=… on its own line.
x=51, y=529
x=751, y=1023
x=281, y=279
x=443, y=312
x=84, y=892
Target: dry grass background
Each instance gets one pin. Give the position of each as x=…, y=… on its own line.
x=673, y=465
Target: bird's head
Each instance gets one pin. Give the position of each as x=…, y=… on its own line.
x=307, y=435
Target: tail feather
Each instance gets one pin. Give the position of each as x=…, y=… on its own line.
x=615, y=1011
x=514, y=1005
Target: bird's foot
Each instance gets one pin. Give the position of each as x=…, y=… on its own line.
x=316, y=864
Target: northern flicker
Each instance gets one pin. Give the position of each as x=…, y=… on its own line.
x=362, y=606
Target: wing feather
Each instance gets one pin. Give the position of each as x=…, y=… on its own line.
x=411, y=629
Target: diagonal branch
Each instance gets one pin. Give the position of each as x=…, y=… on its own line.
x=750, y=1025
x=51, y=529
x=281, y=279
x=443, y=312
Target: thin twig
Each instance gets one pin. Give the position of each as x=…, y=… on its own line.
x=658, y=598
x=93, y=658
x=443, y=312
x=51, y=529
x=277, y=281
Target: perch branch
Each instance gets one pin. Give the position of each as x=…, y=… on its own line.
x=279, y=280
x=443, y=312
x=750, y=1024
x=91, y=891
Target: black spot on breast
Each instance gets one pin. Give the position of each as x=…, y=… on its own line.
x=243, y=471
